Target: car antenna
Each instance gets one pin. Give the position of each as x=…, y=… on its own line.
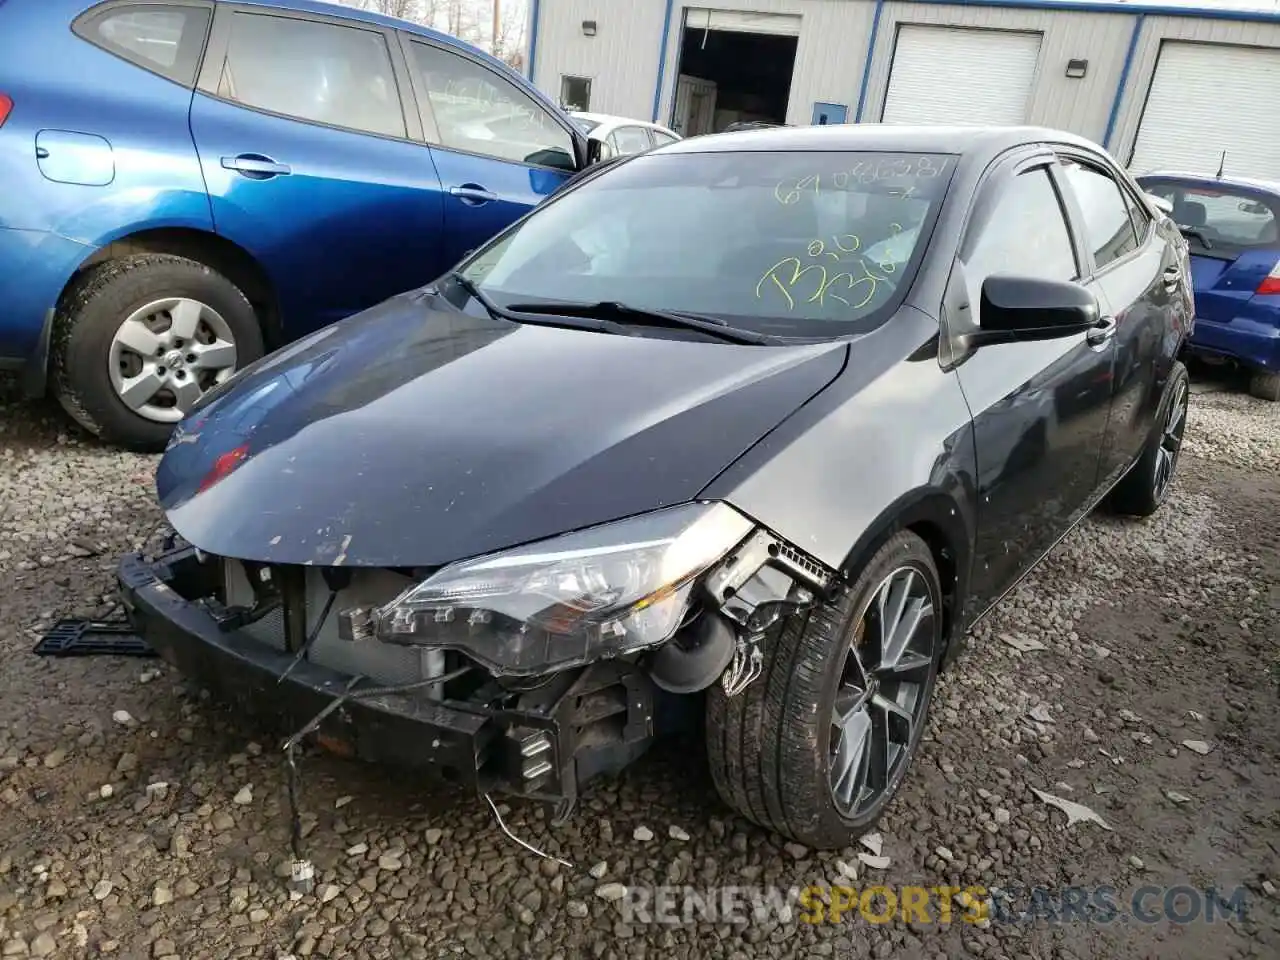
x=1222, y=164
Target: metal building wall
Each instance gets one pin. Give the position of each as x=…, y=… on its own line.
x=621, y=60
x=830, y=53
x=1082, y=106
x=1150, y=32
x=831, y=58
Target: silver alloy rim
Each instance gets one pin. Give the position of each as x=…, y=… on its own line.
x=882, y=693
x=166, y=354
x=1170, y=442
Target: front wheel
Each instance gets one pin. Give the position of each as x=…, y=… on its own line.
x=817, y=747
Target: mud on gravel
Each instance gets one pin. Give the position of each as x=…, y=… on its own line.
x=137, y=819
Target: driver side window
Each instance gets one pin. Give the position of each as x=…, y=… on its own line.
x=478, y=111
x=1025, y=234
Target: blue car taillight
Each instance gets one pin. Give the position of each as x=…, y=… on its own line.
x=1271, y=282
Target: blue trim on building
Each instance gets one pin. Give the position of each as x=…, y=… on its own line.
x=1124, y=79
x=662, y=59
x=866, y=67
x=533, y=37
x=1132, y=9
x=1138, y=10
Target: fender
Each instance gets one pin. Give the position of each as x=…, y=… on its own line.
x=888, y=444
x=944, y=521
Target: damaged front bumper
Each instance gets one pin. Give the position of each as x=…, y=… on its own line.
x=541, y=743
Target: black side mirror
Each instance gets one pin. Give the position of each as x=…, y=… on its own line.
x=1017, y=309
x=598, y=151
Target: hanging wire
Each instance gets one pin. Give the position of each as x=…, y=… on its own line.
x=527, y=846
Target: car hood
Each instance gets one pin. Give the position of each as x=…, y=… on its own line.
x=416, y=434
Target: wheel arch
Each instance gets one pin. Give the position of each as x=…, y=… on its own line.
x=939, y=519
x=217, y=252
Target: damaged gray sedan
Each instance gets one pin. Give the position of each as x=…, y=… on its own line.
x=741, y=435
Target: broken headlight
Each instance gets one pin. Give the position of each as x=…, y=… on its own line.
x=559, y=603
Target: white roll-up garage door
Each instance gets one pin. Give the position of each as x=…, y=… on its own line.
x=960, y=75
x=1204, y=99
x=743, y=21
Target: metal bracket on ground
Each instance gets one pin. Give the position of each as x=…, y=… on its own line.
x=92, y=638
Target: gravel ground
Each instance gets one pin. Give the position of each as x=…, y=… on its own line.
x=138, y=820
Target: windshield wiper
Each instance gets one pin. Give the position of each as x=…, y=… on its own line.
x=498, y=313
x=624, y=314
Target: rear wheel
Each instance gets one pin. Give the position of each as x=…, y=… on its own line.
x=138, y=340
x=1146, y=486
x=817, y=747
x=1265, y=385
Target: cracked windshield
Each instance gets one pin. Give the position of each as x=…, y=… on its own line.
x=799, y=243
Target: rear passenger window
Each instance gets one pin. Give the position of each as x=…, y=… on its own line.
x=167, y=40
x=318, y=72
x=1141, y=219
x=632, y=140
x=1108, y=228
x=1025, y=235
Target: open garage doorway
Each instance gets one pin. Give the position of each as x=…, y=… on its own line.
x=735, y=67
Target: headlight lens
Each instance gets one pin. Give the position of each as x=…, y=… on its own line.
x=559, y=603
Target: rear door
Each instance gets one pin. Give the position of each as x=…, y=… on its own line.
x=1234, y=244
x=311, y=161
x=1139, y=278
x=498, y=151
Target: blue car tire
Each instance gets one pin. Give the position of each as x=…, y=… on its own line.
x=138, y=339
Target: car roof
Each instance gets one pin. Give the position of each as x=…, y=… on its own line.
x=1202, y=180
x=880, y=137
x=611, y=120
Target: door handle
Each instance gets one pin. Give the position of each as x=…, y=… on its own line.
x=473, y=194
x=1172, y=277
x=1101, y=332
x=255, y=166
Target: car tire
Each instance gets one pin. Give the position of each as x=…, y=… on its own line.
x=771, y=754
x=89, y=357
x=1142, y=491
x=1265, y=385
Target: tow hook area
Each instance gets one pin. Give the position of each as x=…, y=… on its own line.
x=760, y=585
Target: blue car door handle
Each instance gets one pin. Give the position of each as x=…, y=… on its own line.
x=255, y=166
x=473, y=194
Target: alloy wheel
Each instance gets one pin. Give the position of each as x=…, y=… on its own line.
x=883, y=692
x=167, y=354
x=1170, y=442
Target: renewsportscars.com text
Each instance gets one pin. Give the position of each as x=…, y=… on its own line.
x=977, y=905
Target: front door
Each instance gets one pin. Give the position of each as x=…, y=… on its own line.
x=499, y=153
x=307, y=156
x=1039, y=409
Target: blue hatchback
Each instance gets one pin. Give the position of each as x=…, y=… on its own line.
x=188, y=184
x=1233, y=227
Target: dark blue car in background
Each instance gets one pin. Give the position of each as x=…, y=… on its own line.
x=1233, y=227
x=187, y=184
